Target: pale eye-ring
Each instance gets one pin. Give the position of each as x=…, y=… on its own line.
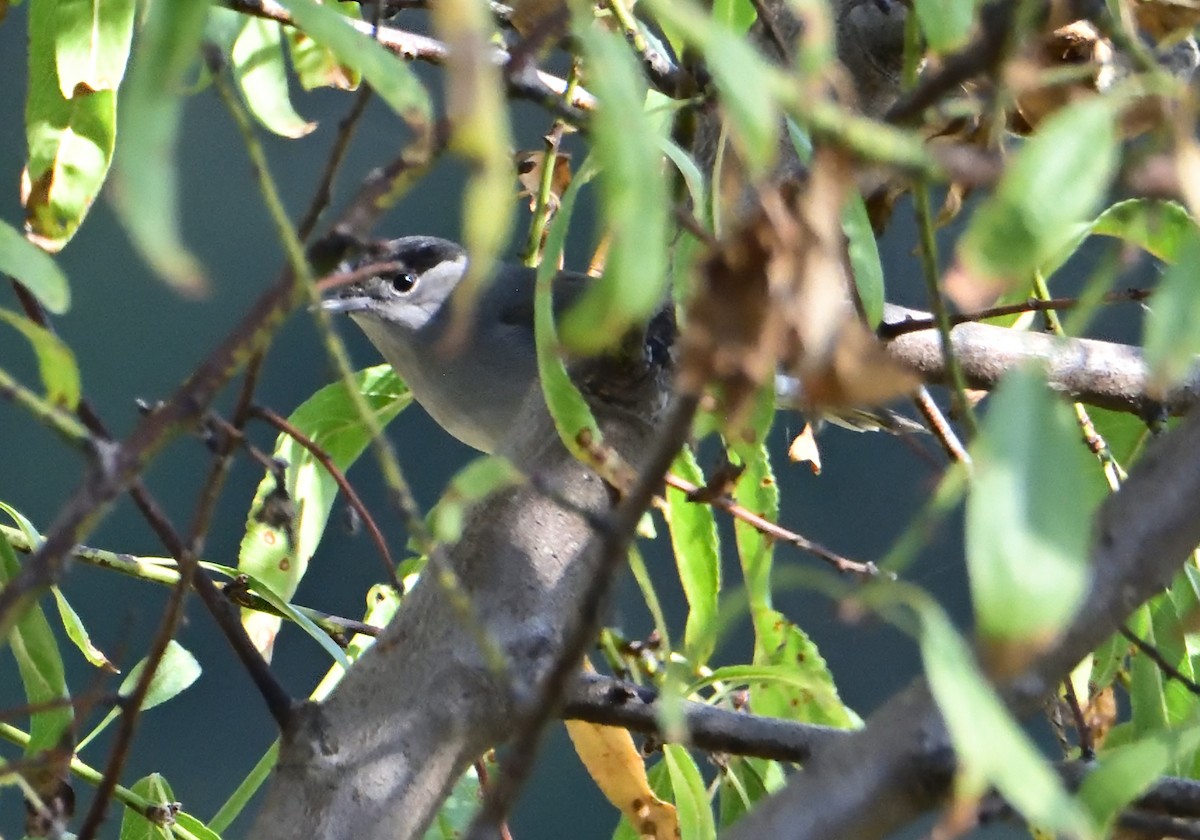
x=403, y=281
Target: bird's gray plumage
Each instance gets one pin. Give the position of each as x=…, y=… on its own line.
x=474, y=391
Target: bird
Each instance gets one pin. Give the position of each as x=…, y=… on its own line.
x=474, y=388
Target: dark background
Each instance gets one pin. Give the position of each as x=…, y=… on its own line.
x=135, y=338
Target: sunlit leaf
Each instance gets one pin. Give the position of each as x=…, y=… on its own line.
x=70, y=141
x=316, y=66
x=92, y=43
x=259, y=68
x=145, y=180
x=691, y=798
x=277, y=553
x=391, y=78
x=634, y=201
x=56, y=362
x=35, y=269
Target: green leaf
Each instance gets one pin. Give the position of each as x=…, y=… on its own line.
x=56, y=362
x=634, y=202
x=691, y=799
x=92, y=43
x=78, y=634
x=945, y=23
x=865, y=264
x=35, y=269
x=1161, y=228
x=697, y=557
x=570, y=412
x=39, y=663
x=1053, y=184
x=1172, y=328
x=1125, y=773
x=991, y=747
x=316, y=66
x=757, y=491
x=391, y=78
x=157, y=791
x=1029, y=513
x=145, y=180
x=746, y=82
x=735, y=15
x=743, y=784
x=176, y=671
x=480, y=478
x=258, y=66
x=459, y=808
x=791, y=678
x=70, y=141
x=300, y=620
x=330, y=420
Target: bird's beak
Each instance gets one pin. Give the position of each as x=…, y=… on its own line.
x=353, y=304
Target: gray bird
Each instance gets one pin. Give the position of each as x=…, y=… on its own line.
x=476, y=393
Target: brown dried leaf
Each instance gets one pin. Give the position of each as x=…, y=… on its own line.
x=804, y=449
x=1162, y=18
x=534, y=18
x=1078, y=44
x=529, y=174
x=777, y=292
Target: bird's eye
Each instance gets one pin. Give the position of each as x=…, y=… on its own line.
x=403, y=281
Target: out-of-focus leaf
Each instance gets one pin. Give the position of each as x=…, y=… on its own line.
x=78, y=634
x=157, y=791
x=1173, y=325
x=329, y=419
x=258, y=66
x=618, y=769
x=946, y=23
x=391, y=78
x=744, y=781
x=634, y=199
x=1124, y=773
x=145, y=178
x=1053, y=184
x=92, y=43
x=70, y=141
x=31, y=533
x=56, y=362
x=35, y=269
x=698, y=559
x=746, y=82
x=570, y=411
x=1160, y=228
x=459, y=808
x=865, y=265
x=757, y=491
x=316, y=66
x=1147, y=694
x=477, y=109
x=691, y=798
x=1029, y=515
x=39, y=664
x=660, y=784
x=991, y=747
x=735, y=15
x=478, y=479
x=1126, y=434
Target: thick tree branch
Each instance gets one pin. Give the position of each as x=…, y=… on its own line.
x=1100, y=373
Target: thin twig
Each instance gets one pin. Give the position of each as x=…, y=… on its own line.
x=778, y=532
x=337, y=154
x=1161, y=661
